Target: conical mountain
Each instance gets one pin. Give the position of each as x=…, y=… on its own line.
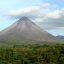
x=24, y=29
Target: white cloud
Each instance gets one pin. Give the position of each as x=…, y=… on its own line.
x=45, y=5
x=28, y=10
x=52, y=19
x=42, y=15
x=54, y=14
x=24, y=11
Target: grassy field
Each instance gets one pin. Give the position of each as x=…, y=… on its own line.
x=32, y=54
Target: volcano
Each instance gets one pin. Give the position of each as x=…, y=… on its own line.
x=25, y=30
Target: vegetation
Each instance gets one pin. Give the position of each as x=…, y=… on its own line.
x=32, y=54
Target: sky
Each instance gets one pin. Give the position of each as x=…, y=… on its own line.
x=48, y=14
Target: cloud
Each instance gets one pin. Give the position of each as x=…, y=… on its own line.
x=28, y=11
x=52, y=19
x=56, y=14
x=23, y=11
x=43, y=15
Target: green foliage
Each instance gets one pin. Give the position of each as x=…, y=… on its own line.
x=33, y=54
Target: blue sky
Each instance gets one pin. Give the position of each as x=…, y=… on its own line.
x=48, y=14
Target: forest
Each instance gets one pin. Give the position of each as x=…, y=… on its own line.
x=32, y=54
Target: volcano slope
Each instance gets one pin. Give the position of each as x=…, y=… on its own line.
x=24, y=30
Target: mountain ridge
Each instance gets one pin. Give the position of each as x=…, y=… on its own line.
x=60, y=37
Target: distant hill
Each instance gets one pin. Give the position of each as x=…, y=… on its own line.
x=60, y=37
x=25, y=30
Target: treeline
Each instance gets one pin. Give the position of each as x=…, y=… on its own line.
x=33, y=54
